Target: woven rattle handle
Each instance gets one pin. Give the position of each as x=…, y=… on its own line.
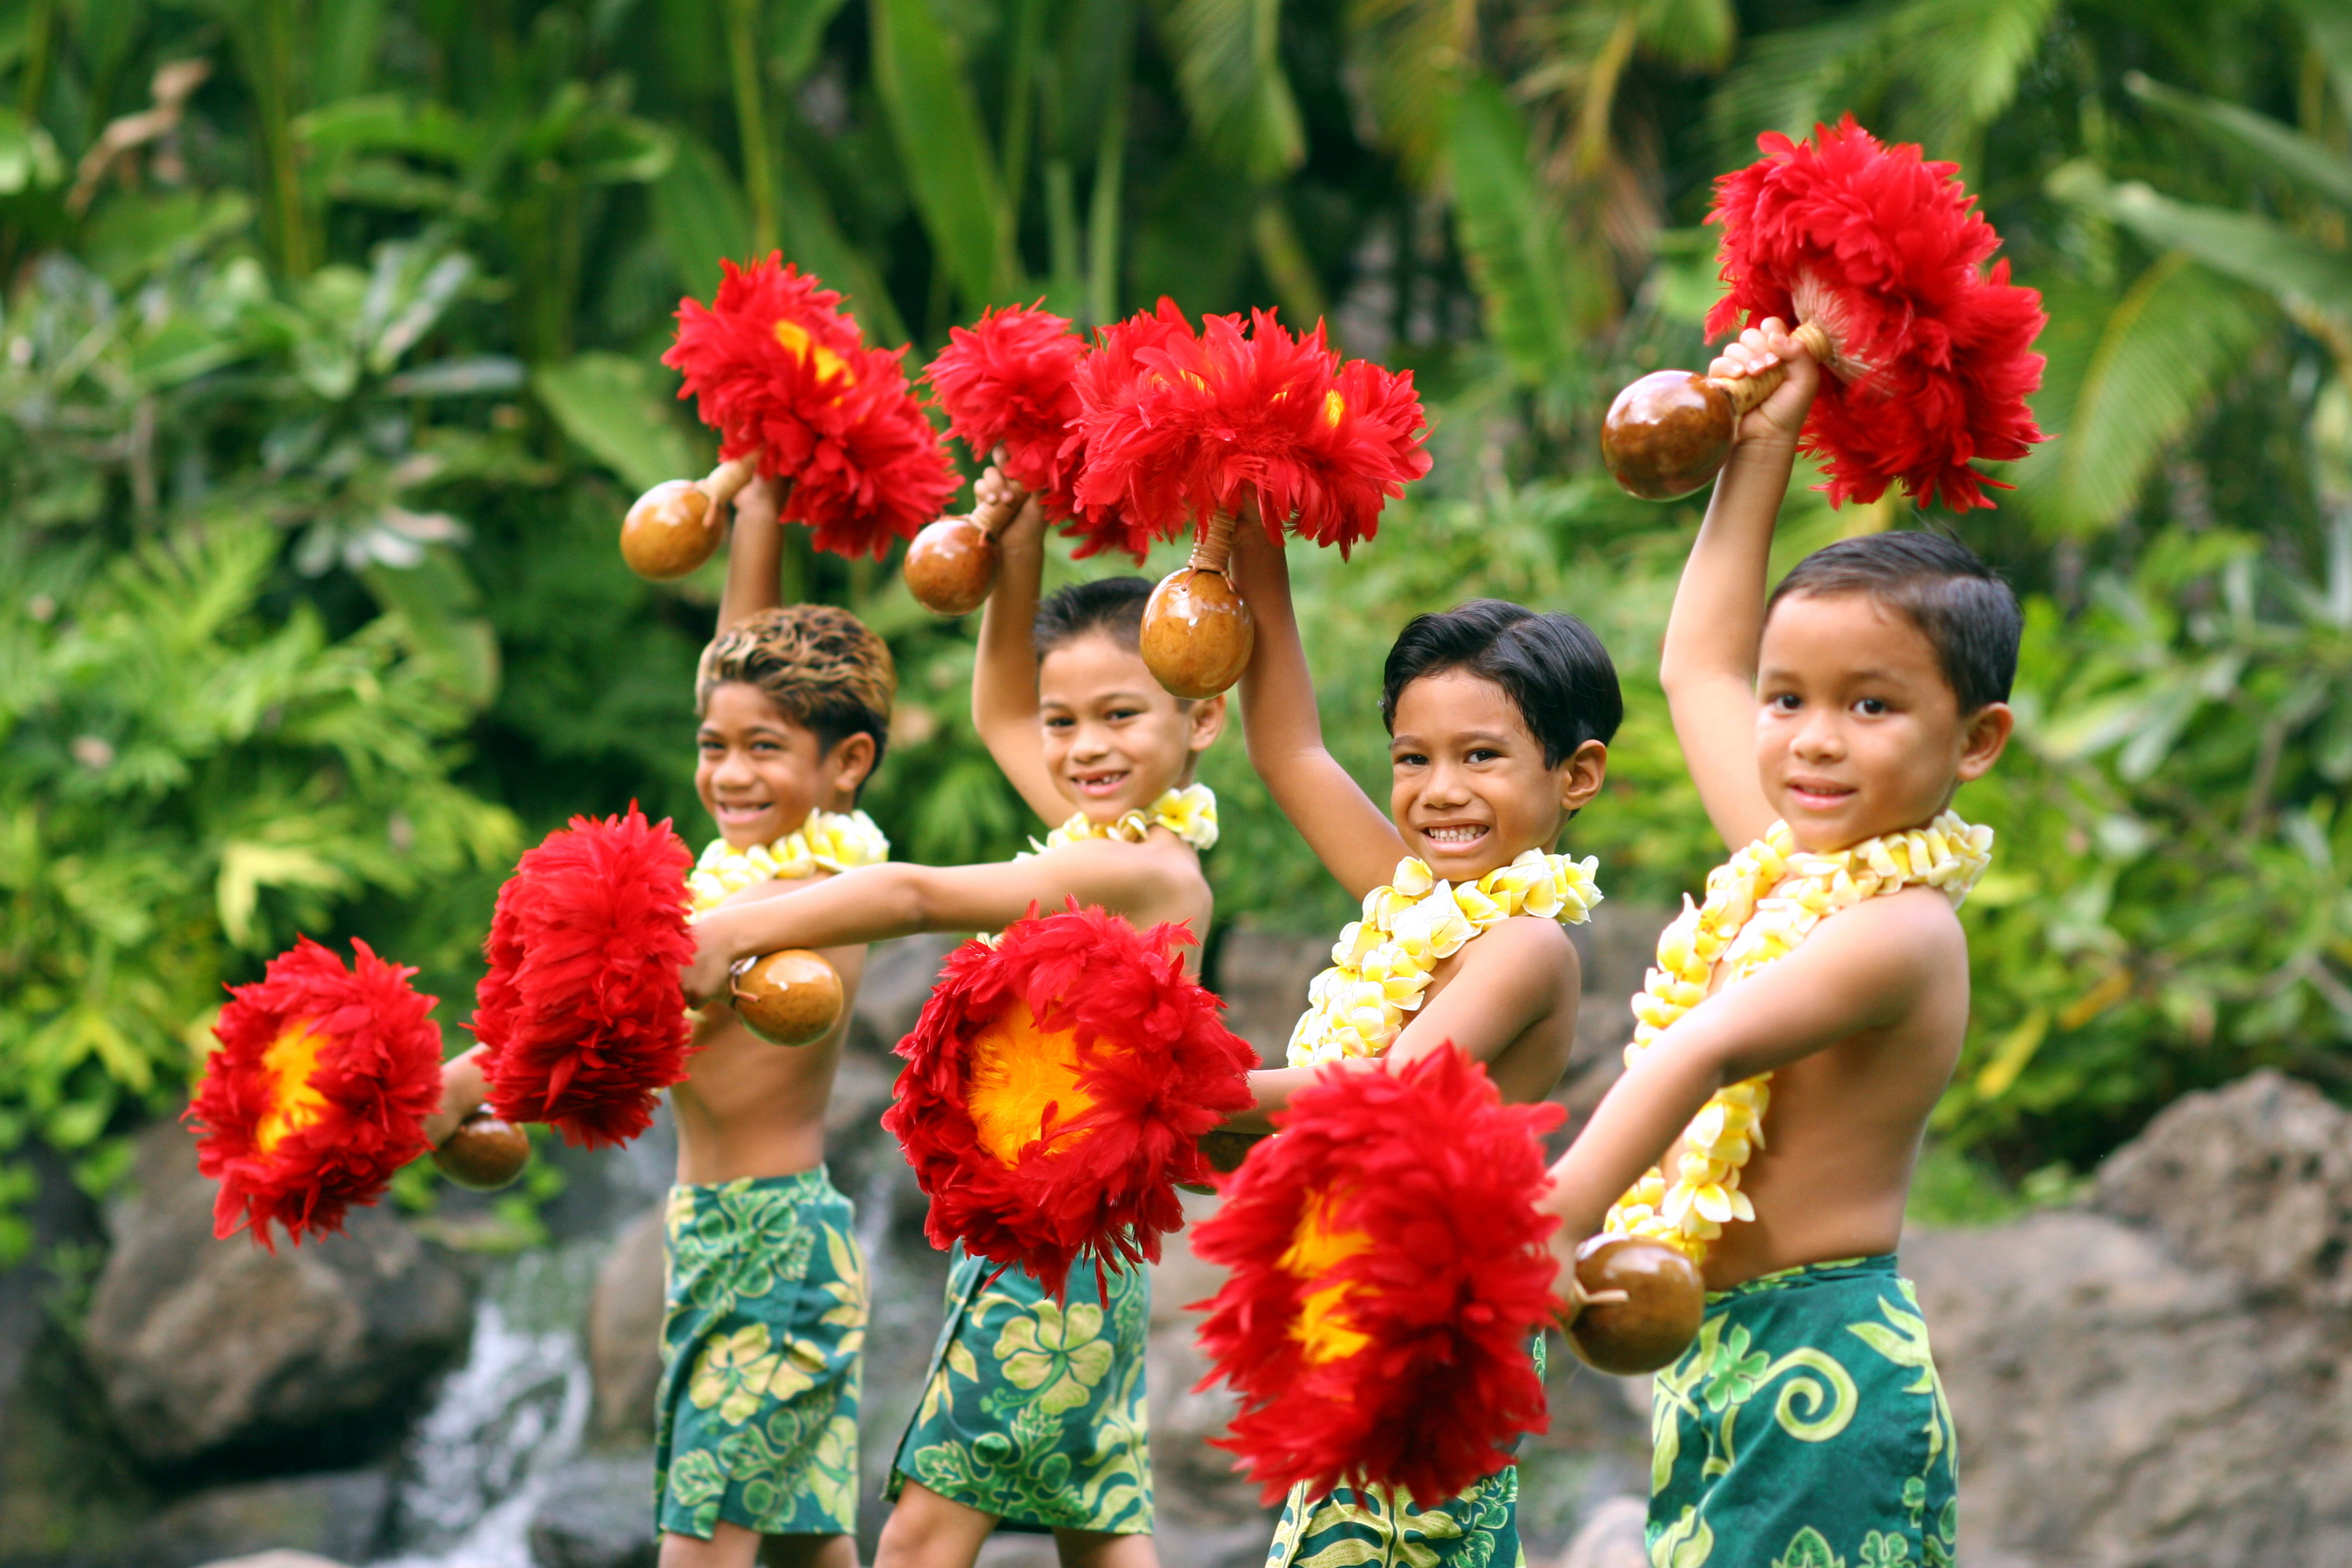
x=1747, y=392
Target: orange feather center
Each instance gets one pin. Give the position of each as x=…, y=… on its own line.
x=1316, y=1248
x=286, y=1067
x=1019, y=1075
x=798, y=343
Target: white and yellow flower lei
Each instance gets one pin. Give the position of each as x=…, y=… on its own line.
x=827, y=841
x=1190, y=814
x=1382, y=965
x=1760, y=904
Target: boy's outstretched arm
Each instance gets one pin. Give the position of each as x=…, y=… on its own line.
x=755, y=555
x=1513, y=978
x=1709, y=666
x=1863, y=969
x=1004, y=667
x=1351, y=836
x=875, y=903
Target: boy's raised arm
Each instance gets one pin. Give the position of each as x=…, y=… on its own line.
x=755, y=556
x=1351, y=836
x=1708, y=667
x=1004, y=667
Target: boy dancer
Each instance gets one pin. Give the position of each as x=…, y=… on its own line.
x=1827, y=727
x=764, y=1330
x=1499, y=721
x=1034, y=1414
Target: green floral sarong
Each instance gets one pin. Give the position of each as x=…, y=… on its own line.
x=1805, y=1428
x=1035, y=1409
x=762, y=1341
x=1380, y=1527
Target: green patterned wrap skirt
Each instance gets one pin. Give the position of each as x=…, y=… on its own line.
x=1383, y=1528
x=1035, y=1409
x=1805, y=1428
x=762, y=1341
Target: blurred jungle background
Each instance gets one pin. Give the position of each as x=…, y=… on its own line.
x=329, y=364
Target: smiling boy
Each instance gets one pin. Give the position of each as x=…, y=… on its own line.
x=1499, y=723
x=763, y=1337
x=1071, y=713
x=1827, y=726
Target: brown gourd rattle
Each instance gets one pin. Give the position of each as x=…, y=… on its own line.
x=1642, y=1302
x=1217, y=430
x=782, y=373
x=1880, y=256
x=790, y=997
x=486, y=1152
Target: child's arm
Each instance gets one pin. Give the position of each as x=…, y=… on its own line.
x=1004, y=667
x=1709, y=666
x=1865, y=970
x=896, y=898
x=755, y=556
x=1353, y=836
x=1516, y=976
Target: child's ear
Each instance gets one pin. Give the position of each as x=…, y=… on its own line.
x=1984, y=740
x=847, y=765
x=1582, y=776
x=1208, y=721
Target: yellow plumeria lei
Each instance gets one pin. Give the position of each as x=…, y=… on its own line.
x=1760, y=904
x=1381, y=963
x=827, y=841
x=1190, y=814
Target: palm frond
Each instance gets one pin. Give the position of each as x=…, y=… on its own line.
x=1511, y=237
x=2243, y=245
x=1411, y=54
x=936, y=127
x=1229, y=71
x=2261, y=143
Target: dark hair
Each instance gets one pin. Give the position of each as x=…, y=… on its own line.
x=1960, y=604
x=1111, y=606
x=822, y=667
x=1554, y=670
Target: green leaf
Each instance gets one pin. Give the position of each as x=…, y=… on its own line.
x=1410, y=54
x=816, y=244
x=27, y=157
x=620, y=414
x=134, y=234
x=2263, y=145
x=2177, y=335
x=700, y=214
x=1511, y=237
x=440, y=608
x=1229, y=69
x=2241, y=244
x=794, y=30
x=944, y=150
x=387, y=122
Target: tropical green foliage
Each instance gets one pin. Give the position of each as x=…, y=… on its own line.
x=331, y=344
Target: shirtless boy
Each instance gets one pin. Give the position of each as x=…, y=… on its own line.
x=1073, y=716
x=1499, y=723
x=1849, y=706
x=763, y=1335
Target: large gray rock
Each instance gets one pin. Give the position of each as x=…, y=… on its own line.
x=598, y=1512
x=624, y=1323
x=336, y=1517
x=2255, y=1178
x=1610, y=1537
x=2168, y=1392
x=208, y=1349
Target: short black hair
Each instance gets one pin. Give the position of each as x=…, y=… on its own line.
x=1962, y=607
x=1554, y=670
x=1111, y=606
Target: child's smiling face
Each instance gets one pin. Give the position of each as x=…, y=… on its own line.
x=760, y=774
x=1469, y=789
x=1858, y=732
x=1114, y=740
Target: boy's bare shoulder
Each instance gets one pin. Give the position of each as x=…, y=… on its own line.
x=1915, y=933
x=1530, y=944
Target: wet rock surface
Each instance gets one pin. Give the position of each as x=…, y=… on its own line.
x=338, y=1517
x=598, y=1513
x=211, y=1351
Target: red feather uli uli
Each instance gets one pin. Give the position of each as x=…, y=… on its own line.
x=581, y=1014
x=1387, y=1269
x=317, y=1092
x=1885, y=250
x=1055, y=1089
x=779, y=369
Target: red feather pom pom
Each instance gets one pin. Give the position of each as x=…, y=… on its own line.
x=1388, y=1266
x=1885, y=250
x=1055, y=1088
x=777, y=367
x=1179, y=426
x=582, y=1015
x=318, y=1093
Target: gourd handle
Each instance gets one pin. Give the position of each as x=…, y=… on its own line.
x=1749, y=392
